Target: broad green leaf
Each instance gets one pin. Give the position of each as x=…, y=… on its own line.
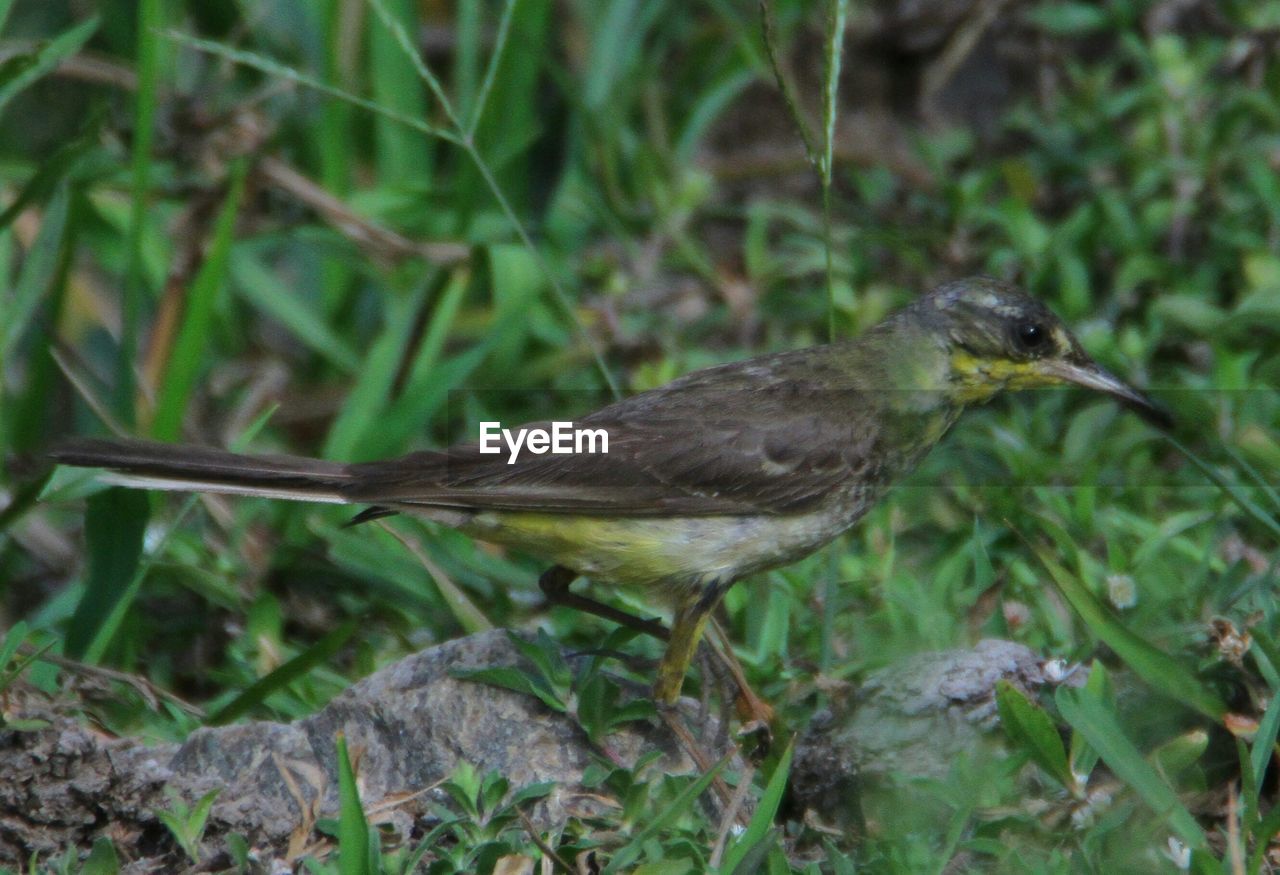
x=545, y=654
x=187, y=823
x=1029, y=727
x=1178, y=754
x=510, y=678
x=102, y=860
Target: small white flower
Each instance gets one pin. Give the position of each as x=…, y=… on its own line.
x=1179, y=853
x=1101, y=797
x=1122, y=591
x=1057, y=670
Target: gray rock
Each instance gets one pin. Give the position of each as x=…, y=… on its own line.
x=930, y=717
x=62, y=785
x=408, y=726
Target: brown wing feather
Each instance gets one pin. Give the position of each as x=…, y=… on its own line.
x=759, y=437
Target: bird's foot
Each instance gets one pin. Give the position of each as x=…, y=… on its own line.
x=704, y=761
x=755, y=740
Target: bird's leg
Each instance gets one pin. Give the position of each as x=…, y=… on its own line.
x=687, y=627
x=756, y=714
x=687, y=624
x=703, y=762
x=555, y=582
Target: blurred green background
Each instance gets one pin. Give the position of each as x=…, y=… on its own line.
x=276, y=226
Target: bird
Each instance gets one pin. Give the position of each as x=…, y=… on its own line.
x=720, y=474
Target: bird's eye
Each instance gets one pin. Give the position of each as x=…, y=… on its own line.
x=1030, y=336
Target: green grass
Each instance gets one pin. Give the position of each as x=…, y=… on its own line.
x=573, y=152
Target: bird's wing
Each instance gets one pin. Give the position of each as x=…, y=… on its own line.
x=742, y=439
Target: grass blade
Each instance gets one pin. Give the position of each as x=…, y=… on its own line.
x=464, y=610
x=150, y=16
x=188, y=354
x=769, y=28
x=1264, y=742
x=353, y=828
x=23, y=499
x=1154, y=666
x=1261, y=482
x=368, y=399
x=51, y=171
x=402, y=154
x=45, y=58
x=628, y=853
x=115, y=522
x=264, y=291
x=1090, y=717
x=266, y=65
x=12, y=641
x=38, y=273
x=561, y=296
x=762, y=820
x=1233, y=490
x=491, y=72
x=285, y=674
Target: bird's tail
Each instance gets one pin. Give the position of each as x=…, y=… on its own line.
x=150, y=465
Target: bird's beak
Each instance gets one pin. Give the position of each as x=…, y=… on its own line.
x=1090, y=375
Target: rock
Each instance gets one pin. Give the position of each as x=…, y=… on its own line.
x=60, y=785
x=408, y=726
x=928, y=717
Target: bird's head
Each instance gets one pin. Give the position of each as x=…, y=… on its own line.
x=998, y=338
